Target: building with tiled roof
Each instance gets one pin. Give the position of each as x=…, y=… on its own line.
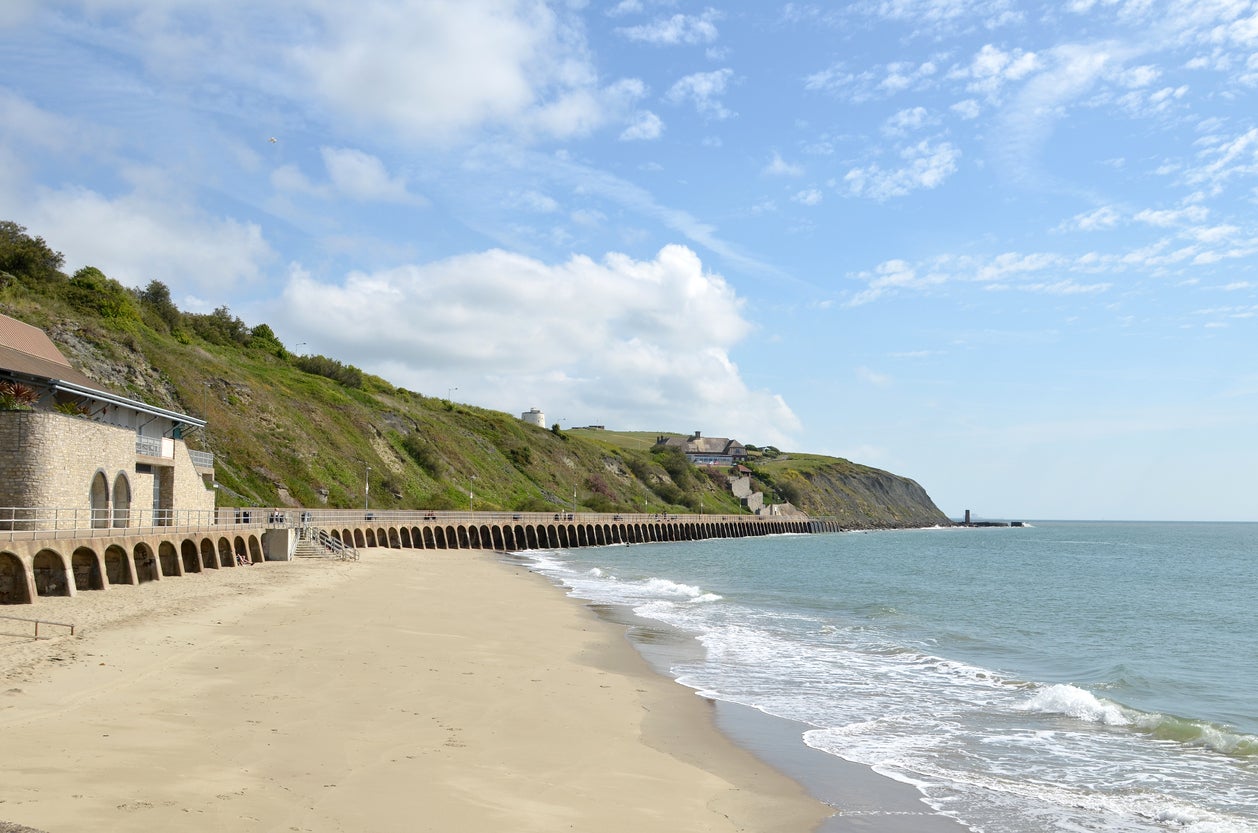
x=707, y=451
x=74, y=452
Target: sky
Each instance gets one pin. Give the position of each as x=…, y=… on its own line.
x=1006, y=249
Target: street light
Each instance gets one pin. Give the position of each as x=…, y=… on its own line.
x=469, y=492
x=450, y=393
x=367, y=490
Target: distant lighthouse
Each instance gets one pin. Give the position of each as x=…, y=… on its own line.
x=534, y=417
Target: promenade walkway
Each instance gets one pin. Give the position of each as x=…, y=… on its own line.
x=68, y=555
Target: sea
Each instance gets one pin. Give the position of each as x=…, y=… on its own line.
x=1060, y=676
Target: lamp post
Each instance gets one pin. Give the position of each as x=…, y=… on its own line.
x=450, y=393
x=469, y=492
x=367, y=491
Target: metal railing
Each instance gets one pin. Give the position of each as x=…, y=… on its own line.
x=201, y=459
x=26, y=523
x=38, y=622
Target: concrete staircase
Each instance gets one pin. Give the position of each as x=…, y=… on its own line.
x=316, y=543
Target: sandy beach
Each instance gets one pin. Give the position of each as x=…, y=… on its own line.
x=438, y=691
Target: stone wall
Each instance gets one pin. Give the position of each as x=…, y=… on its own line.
x=48, y=460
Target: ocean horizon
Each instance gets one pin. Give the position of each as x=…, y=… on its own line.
x=1060, y=676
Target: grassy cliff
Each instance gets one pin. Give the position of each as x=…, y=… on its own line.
x=312, y=431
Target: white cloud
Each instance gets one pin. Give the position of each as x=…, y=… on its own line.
x=925, y=165
x=646, y=126
x=704, y=90
x=991, y=68
x=780, y=167
x=619, y=341
x=676, y=30
x=967, y=109
x=1173, y=217
x=362, y=177
x=809, y=196
x=140, y=237
x=875, y=82
x=889, y=277
x=1104, y=217
x=907, y=121
x=435, y=71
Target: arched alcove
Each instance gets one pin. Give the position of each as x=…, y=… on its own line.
x=99, y=497
x=122, y=502
x=14, y=588
x=85, y=565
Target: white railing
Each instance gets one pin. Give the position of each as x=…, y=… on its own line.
x=201, y=459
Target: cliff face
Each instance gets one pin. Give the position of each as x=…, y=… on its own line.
x=858, y=497
x=868, y=498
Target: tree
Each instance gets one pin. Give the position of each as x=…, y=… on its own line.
x=91, y=290
x=27, y=258
x=156, y=296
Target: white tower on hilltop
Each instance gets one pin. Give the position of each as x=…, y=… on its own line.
x=534, y=417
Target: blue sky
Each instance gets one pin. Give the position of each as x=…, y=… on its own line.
x=1004, y=248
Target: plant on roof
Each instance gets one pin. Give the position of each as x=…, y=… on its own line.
x=15, y=396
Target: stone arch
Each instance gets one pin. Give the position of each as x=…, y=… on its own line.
x=359, y=540
x=240, y=552
x=406, y=537
x=145, y=564
x=14, y=584
x=208, y=556
x=98, y=497
x=430, y=543
x=118, y=566
x=50, y=574
x=498, y=540
x=531, y=534
x=394, y=541
x=85, y=565
x=224, y=553
x=382, y=537
x=255, y=550
x=168, y=558
x=191, y=561
x=465, y=540
x=121, y=515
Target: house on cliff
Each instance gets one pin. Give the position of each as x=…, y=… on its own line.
x=75, y=455
x=706, y=451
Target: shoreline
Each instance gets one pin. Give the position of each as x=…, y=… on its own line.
x=862, y=800
x=401, y=692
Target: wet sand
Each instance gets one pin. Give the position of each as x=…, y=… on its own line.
x=409, y=691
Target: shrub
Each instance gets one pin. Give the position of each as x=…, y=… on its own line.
x=345, y=374
x=15, y=396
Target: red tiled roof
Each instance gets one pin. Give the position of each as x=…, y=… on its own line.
x=29, y=351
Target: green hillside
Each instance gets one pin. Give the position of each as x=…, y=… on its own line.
x=310, y=431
